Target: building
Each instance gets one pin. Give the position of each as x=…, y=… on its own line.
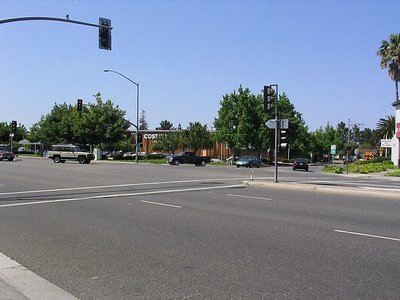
x=149, y=137
x=396, y=139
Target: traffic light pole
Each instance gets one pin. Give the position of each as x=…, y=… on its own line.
x=104, y=27
x=67, y=20
x=277, y=125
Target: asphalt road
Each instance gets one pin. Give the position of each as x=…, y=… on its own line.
x=126, y=231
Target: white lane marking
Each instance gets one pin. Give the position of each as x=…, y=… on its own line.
x=162, y=204
x=251, y=197
x=379, y=188
x=369, y=235
x=116, y=186
x=122, y=195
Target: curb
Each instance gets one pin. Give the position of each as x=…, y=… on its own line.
x=334, y=189
x=18, y=283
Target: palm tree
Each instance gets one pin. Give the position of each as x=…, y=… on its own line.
x=385, y=127
x=389, y=52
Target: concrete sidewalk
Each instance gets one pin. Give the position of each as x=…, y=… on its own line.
x=18, y=283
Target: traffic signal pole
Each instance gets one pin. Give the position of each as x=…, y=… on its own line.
x=277, y=126
x=67, y=20
x=104, y=26
x=271, y=95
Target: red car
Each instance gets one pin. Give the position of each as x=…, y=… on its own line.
x=5, y=154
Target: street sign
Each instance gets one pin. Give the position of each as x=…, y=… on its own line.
x=333, y=149
x=270, y=124
x=11, y=134
x=386, y=143
x=285, y=124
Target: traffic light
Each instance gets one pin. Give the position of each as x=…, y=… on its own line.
x=13, y=126
x=140, y=140
x=105, y=34
x=283, y=137
x=79, y=104
x=268, y=94
x=351, y=135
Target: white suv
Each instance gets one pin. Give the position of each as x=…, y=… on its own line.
x=61, y=153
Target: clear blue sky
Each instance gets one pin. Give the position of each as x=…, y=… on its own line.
x=187, y=54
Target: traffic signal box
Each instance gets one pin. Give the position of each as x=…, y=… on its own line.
x=268, y=98
x=282, y=138
x=105, y=34
x=79, y=104
x=140, y=140
x=13, y=126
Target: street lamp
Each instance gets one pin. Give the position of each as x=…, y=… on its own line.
x=137, y=110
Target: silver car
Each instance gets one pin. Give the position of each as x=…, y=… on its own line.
x=248, y=162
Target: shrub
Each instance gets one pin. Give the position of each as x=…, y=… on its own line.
x=155, y=156
x=333, y=169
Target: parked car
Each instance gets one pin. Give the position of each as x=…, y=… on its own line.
x=188, y=157
x=6, y=154
x=348, y=160
x=61, y=153
x=248, y=162
x=301, y=163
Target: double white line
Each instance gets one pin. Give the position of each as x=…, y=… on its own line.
x=111, y=195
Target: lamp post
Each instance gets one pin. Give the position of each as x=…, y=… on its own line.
x=137, y=111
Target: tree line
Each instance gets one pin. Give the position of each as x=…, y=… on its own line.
x=240, y=124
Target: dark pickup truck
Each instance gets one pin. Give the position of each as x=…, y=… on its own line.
x=188, y=158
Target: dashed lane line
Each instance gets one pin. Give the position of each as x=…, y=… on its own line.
x=161, y=204
x=250, y=197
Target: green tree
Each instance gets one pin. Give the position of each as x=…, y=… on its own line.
x=143, y=125
x=240, y=122
x=297, y=136
x=19, y=134
x=389, y=52
x=385, y=128
x=165, y=125
x=368, y=139
x=101, y=124
x=97, y=124
x=56, y=127
x=321, y=141
x=197, y=136
x=168, y=142
x=5, y=130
